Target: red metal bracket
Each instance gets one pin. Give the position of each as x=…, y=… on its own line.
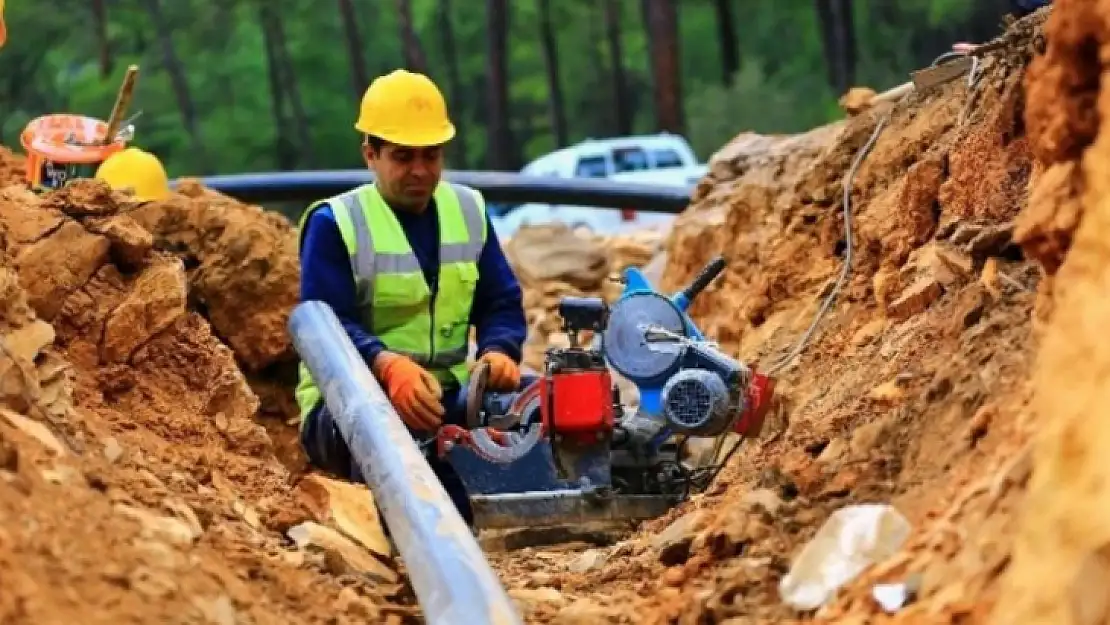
x=761, y=390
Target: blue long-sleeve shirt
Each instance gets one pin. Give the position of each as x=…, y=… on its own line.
x=497, y=312
x=1025, y=7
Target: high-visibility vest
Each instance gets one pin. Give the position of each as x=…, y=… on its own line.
x=395, y=303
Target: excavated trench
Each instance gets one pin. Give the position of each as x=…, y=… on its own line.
x=148, y=472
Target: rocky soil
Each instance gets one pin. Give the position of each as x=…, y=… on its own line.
x=137, y=483
x=148, y=472
x=949, y=350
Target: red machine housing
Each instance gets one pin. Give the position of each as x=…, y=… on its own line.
x=760, y=392
x=578, y=404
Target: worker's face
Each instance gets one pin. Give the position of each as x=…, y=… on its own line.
x=406, y=176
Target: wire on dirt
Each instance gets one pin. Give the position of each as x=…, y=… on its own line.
x=849, y=182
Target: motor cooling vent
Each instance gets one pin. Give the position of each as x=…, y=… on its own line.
x=696, y=402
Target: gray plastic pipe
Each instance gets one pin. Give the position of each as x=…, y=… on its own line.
x=453, y=582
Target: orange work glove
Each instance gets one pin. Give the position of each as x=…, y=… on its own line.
x=414, y=392
x=504, y=374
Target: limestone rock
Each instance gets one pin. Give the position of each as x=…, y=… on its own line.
x=246, y=273
x=83, y=197
x=589, y=560
x=55, y=266
x=27, y=341
x=350, y=507
x=915, y=299
x=673, y=543
x=856, y=100
x=341, y=553
x=24, y=220
x=173, y=530
x=130, y=242
x=35, y=430
x=157, y=298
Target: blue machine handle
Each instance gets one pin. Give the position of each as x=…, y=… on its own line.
x=686, y=296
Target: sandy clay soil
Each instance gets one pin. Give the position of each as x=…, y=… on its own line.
x=148, y=473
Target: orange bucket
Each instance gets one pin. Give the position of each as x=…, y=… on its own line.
x=64, y=147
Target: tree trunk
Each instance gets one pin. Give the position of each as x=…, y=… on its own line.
x=285, y=151
x=414, y=53
x=178, y=82
x=100, y=18
x=848, y=37
x=288, y=77
x=616, y=62
x=726, y=38
x=551, y=66
x=501, y=151
x=838, y=40
x=360, y=76
x=454, y=83
x=661, y=19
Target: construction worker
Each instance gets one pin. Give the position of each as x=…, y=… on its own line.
x=408, y=264
x=137, y=171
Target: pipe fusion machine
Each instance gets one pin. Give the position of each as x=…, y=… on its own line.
x=567, y=449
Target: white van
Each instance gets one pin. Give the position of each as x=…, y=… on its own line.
x=601, y=158
x=661, y=159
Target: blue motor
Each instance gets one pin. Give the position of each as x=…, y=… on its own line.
x=703, y=397
x=682, y=379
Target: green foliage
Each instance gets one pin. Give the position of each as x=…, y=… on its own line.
x=51, y=64
x=756, y=102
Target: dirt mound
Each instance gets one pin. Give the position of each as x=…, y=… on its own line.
x=136, y=484
x=552, y=262
x=1063, y=525
x=915, y=388
x=242, y=264
x=12, y=167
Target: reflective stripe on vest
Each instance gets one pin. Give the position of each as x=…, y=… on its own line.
x=393, y=296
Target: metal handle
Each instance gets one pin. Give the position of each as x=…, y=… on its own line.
x=707, y=275
x=123, y=101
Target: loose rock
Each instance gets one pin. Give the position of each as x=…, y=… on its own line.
x=343, y=556
x=915, y=299
x=673, y=543
x=153, y=525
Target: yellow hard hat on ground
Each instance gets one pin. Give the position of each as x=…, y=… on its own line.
x=405, y=108
x=3, y=29
x=138, y=170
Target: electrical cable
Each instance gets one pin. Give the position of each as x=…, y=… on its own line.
x=849, y=182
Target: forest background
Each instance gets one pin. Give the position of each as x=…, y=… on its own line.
x=229, y=86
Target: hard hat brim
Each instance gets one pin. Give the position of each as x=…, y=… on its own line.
x=429, y=138
x=152, y=197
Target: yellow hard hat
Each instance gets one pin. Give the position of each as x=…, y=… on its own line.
x=138, y=170
x=405, y=108
x=3, y=29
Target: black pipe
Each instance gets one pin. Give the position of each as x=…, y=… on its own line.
x=496, y=186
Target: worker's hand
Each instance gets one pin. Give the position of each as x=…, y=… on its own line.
x=414, y=392
x=504, y=374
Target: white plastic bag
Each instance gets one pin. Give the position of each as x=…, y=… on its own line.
x=851, y=539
